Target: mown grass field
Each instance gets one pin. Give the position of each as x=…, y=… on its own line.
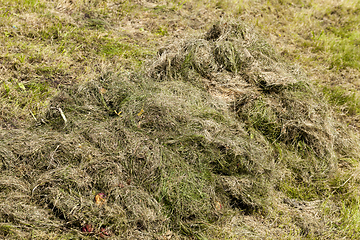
x=196, y=119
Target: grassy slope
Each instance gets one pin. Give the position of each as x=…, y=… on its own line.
x=50, y=47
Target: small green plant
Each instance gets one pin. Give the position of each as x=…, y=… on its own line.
x=162, y=30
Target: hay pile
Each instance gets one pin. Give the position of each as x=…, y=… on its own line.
x=235, y=65
x=220, y=127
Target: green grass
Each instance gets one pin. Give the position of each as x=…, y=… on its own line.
x=322, y=36
x=348, y=102
x=51, y=50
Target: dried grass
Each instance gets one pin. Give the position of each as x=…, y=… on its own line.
x=168, y=153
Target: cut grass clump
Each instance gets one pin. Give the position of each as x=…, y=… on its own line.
x=233, y=62
x=272, y=100
x=157, y=139
x=218, y=133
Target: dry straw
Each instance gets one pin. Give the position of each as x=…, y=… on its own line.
x=220, y=121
